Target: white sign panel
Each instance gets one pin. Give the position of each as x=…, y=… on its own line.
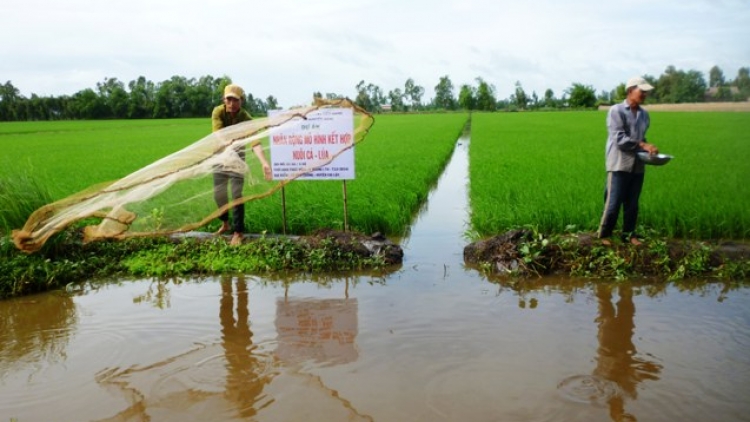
x=302, y=145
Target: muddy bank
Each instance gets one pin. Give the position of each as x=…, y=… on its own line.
x=523, y=253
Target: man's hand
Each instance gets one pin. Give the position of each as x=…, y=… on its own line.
x=650, y=148
x=267, y=171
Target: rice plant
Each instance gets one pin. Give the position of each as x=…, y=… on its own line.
x=397, y=164
x=21, y=192
x=547, y=170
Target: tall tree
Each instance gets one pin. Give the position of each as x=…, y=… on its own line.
x=519, y=97
x=677, y=86
x=58, y=107
x=363, y=97
x=377, y=96
x=221, y=83
x=369, y=96
x=114, y=97
x=86, y=104
x=256, y=106
x=200, y=96
x=653, y=95
x=272, y=103
x=466, y=97
x=171, y=98
x=396, y=98
x=444, y=97
x=141, y=98
x=549, y=98
x=619, y=93
x=604, y=97
x=581, y=96
x=716, y=77
x=10, y=96
x=534, y=101
x=485, y=96
x=413, y=93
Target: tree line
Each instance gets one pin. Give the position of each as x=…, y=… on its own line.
x=180, y=97
x=673, y=86
x=176, y=97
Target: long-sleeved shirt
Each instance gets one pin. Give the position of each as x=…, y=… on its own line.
x=220, y=118
x=625, y=131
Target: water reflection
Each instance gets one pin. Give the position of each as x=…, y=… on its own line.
x=322, y=331
x=241, y=379
x=157, y=294
x=619, y=369
x=245, y=375
x=313, y=333
x=617, y=358
x=35, y=329
x=193, y=384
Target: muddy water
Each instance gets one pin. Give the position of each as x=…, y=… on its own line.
x=432, y=341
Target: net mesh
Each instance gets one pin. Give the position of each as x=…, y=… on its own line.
x=175, y=193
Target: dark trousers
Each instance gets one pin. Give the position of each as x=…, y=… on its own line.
x=623, y=189
x=222, y=181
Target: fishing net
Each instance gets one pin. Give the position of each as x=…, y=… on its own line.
x=176, y=193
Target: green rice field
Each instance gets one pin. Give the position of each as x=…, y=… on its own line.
x=547, y=170
x=544, y=170
x=69, y=156
x=401, y=158
x=396, y=165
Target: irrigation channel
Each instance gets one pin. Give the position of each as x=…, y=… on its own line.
x=433, y=341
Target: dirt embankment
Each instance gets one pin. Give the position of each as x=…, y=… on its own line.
x=522, y=252
x=737, y=107
x=365, y=246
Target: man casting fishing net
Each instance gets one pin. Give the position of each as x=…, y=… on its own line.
x=224, y=115
x=180, y=192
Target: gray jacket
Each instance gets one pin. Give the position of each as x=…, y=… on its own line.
x=625, y=131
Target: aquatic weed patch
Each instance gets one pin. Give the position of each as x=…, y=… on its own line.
x=260, y=255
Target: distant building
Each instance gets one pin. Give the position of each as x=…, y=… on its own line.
x=712, y=94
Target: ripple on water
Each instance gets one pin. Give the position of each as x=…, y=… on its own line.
x=198, y=378
x=590, y=389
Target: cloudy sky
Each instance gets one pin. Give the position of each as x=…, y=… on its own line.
x=290, y=49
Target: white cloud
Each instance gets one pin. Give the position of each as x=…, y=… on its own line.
x=291, y=49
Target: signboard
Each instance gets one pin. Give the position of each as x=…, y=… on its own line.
x=322, y=330
x=303, y=145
